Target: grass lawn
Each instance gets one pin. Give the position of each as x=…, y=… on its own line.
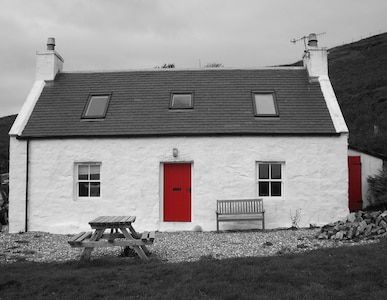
x=358, y=272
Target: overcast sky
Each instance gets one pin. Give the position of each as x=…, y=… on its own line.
x=105, y=35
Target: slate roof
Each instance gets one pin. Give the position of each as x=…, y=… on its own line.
x=140, y=100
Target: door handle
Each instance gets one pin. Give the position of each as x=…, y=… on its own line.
x=175, y=189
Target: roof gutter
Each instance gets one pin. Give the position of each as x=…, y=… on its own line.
x=161, y=135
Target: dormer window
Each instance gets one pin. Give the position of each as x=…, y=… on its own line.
x=181, y=101
x=265, y=104
x=96, y=106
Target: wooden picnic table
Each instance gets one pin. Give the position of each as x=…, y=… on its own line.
x=121, y=227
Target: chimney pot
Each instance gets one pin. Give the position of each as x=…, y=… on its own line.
x=312, y=40
x=51, y=43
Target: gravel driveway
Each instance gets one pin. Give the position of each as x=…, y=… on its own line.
x=170, y=246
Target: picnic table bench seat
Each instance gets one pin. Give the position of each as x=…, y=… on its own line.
x=79, y=238
x=240, y=210
x=83, y=237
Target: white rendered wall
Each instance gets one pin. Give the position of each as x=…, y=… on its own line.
x=17, y=184
x=370, y=166
x=315, y=177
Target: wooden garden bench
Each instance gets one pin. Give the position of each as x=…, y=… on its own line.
x=240, y=210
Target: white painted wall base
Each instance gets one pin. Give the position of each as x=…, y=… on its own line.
x=17, y=184
x=315, y=177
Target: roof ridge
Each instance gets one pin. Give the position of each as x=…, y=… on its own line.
x=183, y=69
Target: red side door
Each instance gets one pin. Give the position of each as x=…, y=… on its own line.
x=177, y=192
x=354, y=181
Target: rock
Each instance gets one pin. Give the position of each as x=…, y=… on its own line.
x=381, y=231
x=362, y=226
x=351, y=232
x=368, y=229
x=384, y=214
x=383, y=224
x=197, y=228
x=375, y=214
x=351, y=217
x=359, y=216
x=302, y=246
x=268, y=244
x=339, y=235
x=376, y=229
x=323, y=236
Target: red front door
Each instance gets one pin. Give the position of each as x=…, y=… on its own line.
x=354, y=181
x=177, y=192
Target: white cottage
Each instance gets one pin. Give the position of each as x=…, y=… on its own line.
x=164, y=145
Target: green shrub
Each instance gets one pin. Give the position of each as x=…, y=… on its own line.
x=377, y=189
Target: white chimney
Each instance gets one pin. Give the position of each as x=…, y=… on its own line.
x=49, y=62
x=315, y=58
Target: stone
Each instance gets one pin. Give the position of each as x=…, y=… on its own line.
x=362, y=226
x=376, y=229
x=384, y=214
x=351, y=217
x=342, y=227
x=268, y=244
x=351, y=232
x=360, y=229
x=383, y=224
x=381, y=231
x=359, y=216
x=368, y=229
x=322, y=236
x=197, y=228
x=339, y=235
x=375, y=214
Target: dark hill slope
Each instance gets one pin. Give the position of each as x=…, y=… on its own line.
x=358, y=72
x=5, y=126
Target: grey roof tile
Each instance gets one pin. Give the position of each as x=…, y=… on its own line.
x=139, y=105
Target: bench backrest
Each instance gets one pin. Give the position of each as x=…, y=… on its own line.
x=246, y=206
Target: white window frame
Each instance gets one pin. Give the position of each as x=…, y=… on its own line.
x=282, y=180
x=77, y=180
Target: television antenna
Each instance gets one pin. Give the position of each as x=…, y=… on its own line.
x=305, y=37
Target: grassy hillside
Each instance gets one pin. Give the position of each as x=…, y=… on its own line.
x=5, y=126
x=358, y=72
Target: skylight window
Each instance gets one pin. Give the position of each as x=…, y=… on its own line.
x=181, y=101
x=265, y=104
x=96, y=107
